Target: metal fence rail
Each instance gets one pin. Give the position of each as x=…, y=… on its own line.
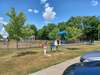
x=21, y=44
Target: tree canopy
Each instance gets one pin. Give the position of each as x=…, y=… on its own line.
x=15, y=25
x=78, y=27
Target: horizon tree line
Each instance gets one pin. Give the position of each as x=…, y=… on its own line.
x=78, y=28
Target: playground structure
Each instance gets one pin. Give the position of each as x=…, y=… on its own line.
x=54, y=45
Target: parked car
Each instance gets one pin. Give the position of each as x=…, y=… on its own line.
x=84, y=68
x=90, y=56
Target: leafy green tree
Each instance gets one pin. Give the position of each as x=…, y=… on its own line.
x=53, y=34
x=73, y=33
x=33, y=27
x=98, y=27
x=27, y=32
x=98, y=31
x=0, y=37
x=50, y=27
x=88, y=25
x=15, y=25
x=62, y=26
x=44, y=32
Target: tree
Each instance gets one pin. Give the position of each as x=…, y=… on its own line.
x=98, y=27
x=78, y=27
x=73, y=33
x=87, y=24
x=44, y=32
x=0, y=37
x=33, y=27
x=98, y=31
x=53, y=34
x=62, y=26
x=15, y=25
x=90, y=28
x=26, y=32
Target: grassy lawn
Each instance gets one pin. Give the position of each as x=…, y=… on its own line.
x=25, y=61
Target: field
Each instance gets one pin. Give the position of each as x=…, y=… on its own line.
x=25, y=61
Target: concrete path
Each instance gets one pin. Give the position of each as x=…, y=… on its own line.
x=57, y=69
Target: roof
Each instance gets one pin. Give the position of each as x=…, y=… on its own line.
x=86, y=68
x=92, y=54
x=87, y=71
x=62, y=33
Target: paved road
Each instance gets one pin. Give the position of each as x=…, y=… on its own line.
x=57, y=69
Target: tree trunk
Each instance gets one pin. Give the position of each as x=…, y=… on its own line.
x=98, y=35
x=17, y=43
x=8, y=44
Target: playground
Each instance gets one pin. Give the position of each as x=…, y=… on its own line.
x=28, y=56
x=31, y=40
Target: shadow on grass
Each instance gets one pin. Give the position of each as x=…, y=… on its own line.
x=25, y=53
x=73, y=48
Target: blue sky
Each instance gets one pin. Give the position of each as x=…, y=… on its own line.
x=41, y=12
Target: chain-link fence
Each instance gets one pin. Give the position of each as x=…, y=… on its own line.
x=20, y=44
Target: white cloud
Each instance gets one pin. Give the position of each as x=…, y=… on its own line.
x=1, y=18
x=43, y=1
x=46, y=5
x=94, y=2
x=2, y=21
x=36, y=11
x=30, y=10
x=49, y=13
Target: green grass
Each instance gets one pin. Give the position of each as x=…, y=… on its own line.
x=25, y=61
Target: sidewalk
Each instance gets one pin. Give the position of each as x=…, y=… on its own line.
x=57, y=69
